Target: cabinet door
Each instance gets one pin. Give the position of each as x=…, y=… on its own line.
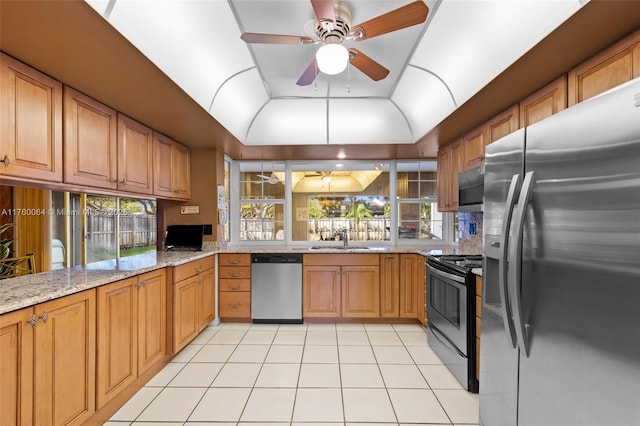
x=135, y=156
x=444, y=172
x=545, y=102
x=206, y=299
x=181, y=171
x=473, y=148
x=614, y=66
x=457, y=165
x=360, y=291
x=152, y=319
x=390, y=285
x=422, y=290
x=90, y=141
x=117, y=359
x=172, y=168
x=30, y=123
x=321, y=291
x=16, y=368
x=501, y=125
x=409, y=275
x=64, y=360
x=186, y=324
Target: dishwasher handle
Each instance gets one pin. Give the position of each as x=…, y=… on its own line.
x=276, y=258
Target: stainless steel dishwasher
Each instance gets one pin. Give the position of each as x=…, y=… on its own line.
x=276, y=288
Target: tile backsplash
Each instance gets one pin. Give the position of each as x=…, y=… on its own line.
x=470, y=232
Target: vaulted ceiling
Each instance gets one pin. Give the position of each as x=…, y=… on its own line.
x=181, y=68
x=251, y=90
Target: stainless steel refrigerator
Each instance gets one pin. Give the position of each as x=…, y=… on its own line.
x=560, y=332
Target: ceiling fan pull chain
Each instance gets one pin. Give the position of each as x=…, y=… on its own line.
x=315, y=87
x=348, y=78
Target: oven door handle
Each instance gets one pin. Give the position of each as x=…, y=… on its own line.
x=447, y=275
x=515, y=258
x=503, y=281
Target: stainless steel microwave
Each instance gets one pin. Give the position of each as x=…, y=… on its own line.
x=471, y=190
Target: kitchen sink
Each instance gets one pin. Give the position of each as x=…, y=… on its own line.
x=350, y=248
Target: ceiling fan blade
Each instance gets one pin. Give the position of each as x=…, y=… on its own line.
x=374, y=70
x=324, y=10
x=309, y=74
x=275, y=38
x=403, y=17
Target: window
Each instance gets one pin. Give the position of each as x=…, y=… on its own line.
x=261, y=201
x=365, y=201
x=113, y=228
x=418, y=216
x=340, y=200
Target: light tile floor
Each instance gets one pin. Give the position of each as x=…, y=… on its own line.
x=308, y=374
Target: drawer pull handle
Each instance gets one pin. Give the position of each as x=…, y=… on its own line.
x=6, y=161
x=235, y=261
x=236, y=305
x=142, y=283
x=235, y=275
x=44, y=317
x=198, y=269
x=234, y=287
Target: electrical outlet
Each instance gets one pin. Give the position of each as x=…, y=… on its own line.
x=208, y=229
x=472, y=229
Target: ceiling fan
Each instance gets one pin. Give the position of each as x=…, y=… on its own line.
x=333, y=26
x=272, y=179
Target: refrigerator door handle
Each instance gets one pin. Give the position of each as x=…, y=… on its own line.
x=509, y=327
x=515, y=258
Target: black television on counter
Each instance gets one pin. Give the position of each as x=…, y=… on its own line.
x=184, y=237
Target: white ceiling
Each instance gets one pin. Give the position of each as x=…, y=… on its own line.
x=251, y=89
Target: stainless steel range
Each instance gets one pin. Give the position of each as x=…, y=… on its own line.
x=451, y=313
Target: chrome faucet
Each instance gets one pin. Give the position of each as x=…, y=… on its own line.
x=345, y=237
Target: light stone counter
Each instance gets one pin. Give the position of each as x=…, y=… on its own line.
x=29, y=290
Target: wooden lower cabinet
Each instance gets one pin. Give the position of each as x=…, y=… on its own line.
x=64, y=360
x=321, y=291
x=152, y=319
x=350, y=290
x=390, y=285
x=234, y=286
x=16, y=368
x=402, y=286
x=193, y=300
x=116, y=329
x=360, y=291
x=131, y=331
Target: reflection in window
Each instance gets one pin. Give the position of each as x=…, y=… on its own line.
x=332, y=202
x=119, y=227
x=418, y=216
x=261, y=201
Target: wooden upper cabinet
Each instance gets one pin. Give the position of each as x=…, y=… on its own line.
x=450, y=163
x=545, y=102
x=172, y=168
x=90, y=141
x=502, y=124
x=135, y=156
x=616, y=65
x=30, y=123
x=473, y=147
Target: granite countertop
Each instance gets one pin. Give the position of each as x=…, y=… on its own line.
x=28, y=290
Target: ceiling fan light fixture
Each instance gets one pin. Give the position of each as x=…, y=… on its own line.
x=332, y=58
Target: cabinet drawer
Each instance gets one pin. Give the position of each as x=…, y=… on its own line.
x=235, y=272
x=234, y=259
x=192, y=268
x=235, y=304
x=242, y=284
